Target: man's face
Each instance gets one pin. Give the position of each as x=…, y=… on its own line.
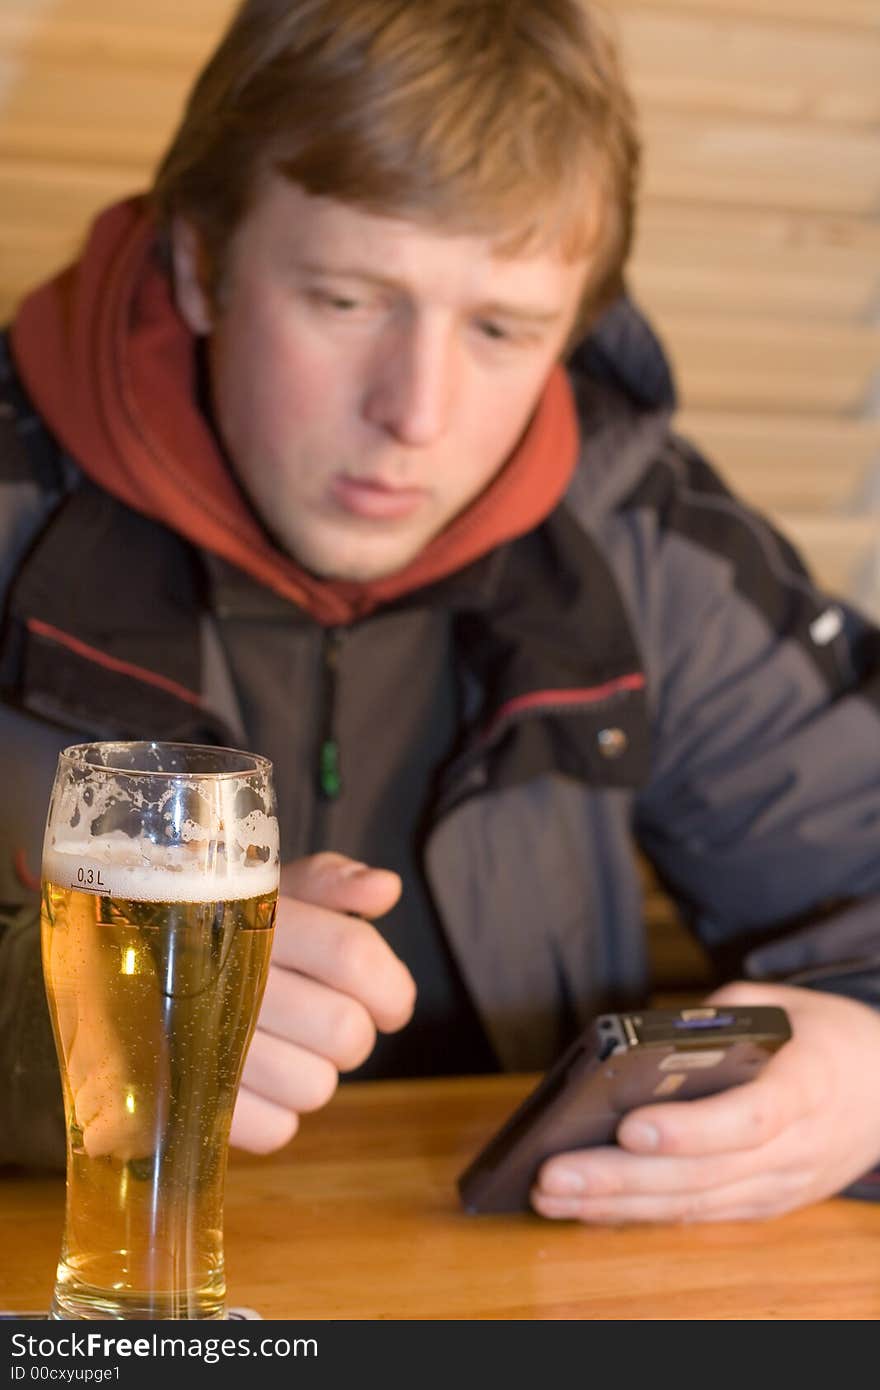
x=369, y=376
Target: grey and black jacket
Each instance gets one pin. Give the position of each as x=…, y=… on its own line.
x=651, y=669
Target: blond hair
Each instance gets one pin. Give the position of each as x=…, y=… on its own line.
x=506, y=118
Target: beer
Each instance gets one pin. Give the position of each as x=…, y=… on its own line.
x=153, y=993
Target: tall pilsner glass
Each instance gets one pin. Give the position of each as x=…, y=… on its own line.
x=160, y=876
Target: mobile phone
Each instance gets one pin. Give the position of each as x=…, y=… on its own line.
x=620, y=1061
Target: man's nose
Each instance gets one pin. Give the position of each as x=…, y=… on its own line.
x=412, y=390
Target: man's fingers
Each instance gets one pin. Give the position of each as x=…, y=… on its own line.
x=346, y=954
x=342, y=884
x=259, y=1126
x=744, y=1117
x=288, y=1075
x=752, y=1198
x=313, y=1016
x=610, y=1172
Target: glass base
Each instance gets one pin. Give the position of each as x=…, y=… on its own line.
x=74, y=1301
x=10, y=1315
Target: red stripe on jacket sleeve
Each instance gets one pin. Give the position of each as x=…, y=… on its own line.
x=22, y=871
x=570, y=698
x=112, y=663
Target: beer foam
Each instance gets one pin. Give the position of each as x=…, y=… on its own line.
x=121, y=871
x=136, y=837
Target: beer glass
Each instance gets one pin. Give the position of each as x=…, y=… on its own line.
x=160, y=876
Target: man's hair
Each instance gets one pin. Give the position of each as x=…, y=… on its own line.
x=503, y=118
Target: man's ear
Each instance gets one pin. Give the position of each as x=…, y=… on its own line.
x=190, y=291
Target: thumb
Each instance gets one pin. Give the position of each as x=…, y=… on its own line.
x=344, y=885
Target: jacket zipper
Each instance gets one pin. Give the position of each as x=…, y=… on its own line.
x=328, y=771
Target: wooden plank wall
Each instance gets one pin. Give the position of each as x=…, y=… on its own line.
x=758, y=244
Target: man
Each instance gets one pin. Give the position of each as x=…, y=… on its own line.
x=292, y=462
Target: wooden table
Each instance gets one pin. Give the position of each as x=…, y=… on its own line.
x=358, y=1219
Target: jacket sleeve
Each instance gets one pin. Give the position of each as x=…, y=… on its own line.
x=31, y=1110
x=762, y=812
x=31, y=1113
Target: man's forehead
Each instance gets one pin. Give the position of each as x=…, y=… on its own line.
x=324, y=228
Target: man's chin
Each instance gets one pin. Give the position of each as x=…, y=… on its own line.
x=347, y=568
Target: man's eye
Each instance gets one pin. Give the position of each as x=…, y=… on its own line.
x=342, y=303
x=493, y=331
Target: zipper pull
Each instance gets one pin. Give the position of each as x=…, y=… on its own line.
x=329, y=771
x=329, y=777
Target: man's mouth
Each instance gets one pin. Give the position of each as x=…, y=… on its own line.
x=375, y=499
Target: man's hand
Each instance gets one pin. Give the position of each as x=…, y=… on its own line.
x=805, y=1128
x=332, y=983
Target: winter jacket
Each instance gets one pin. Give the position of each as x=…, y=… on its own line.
x=651, y=669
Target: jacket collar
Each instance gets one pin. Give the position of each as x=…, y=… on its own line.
x=104, y=626
x=553, y=677
x=107, y=612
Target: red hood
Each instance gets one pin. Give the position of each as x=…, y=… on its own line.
x=110, y=365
